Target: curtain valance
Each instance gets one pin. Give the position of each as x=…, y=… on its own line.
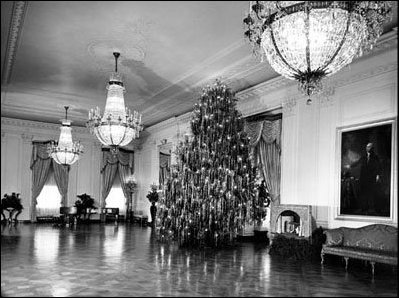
x=268, y=131
x=39, y=150
x=164, y=160
x=122, y=157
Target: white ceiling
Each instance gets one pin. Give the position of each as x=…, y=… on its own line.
x=59, y=53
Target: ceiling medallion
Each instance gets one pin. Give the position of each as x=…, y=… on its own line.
x=307, y=41
x=100, y=49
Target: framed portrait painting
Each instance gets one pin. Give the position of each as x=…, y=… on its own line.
x=366, y=161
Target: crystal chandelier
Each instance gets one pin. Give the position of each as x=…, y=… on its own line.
x=65, y=152
x=309, y=40
x=117, y=126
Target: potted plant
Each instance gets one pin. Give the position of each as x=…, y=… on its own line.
x=84, y=205
x=153, y=197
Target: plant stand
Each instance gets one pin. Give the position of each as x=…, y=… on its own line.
x=11, y=212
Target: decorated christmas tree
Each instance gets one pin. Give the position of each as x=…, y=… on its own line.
x=211, y=193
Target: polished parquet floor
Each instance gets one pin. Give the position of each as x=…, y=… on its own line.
x=127, y=260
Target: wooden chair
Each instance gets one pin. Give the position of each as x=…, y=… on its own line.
x=109, y=214
x=140, y=217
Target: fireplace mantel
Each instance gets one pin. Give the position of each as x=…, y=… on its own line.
x=304, y=212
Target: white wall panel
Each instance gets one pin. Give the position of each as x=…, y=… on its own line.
x=289, y=155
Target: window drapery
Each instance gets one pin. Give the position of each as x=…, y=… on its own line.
x=125, y=172
x=265, y=142
x=49, y=199
x=164, y=167
x=116, y=197
x=108, y=177
x=269, y=156
x=266, y=130
x=121, y=162
x=40, y=165
x=61, y=175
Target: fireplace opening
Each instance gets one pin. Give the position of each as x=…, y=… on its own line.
x=298, y=221
x=289, y=222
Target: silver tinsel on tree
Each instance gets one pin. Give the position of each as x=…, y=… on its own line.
x=211, y=194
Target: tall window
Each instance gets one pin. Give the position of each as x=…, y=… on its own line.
x=49, y=199
x=116, y=198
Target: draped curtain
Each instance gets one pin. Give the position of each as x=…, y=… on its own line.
x=61, y=175
x=164, y=167
x=49, y=201
x=265, y=142
x=123, y=163
x=40, y=166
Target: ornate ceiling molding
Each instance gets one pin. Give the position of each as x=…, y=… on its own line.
x=27, y=137
x=290, y=107
x=364, y=75
x=30, y=126
x=264, y=88
x=182, y=119
x=257, y=106
x=386, y=41
x=14, y=33
x=326, y=97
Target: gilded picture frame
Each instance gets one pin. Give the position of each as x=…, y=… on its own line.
x=365, y=170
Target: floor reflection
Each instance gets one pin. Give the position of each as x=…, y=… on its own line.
x=127, y=260
x=46, y=245
x=113, y=243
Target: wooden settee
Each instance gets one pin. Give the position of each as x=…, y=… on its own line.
x=377, y=243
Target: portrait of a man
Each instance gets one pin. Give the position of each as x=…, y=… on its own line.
x=365, y=186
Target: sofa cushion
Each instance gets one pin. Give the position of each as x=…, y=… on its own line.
x=374, y=237
x=334, y=237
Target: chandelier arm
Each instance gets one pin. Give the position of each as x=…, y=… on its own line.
x=278, y=51
x=340, y=44
x=257, y=10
